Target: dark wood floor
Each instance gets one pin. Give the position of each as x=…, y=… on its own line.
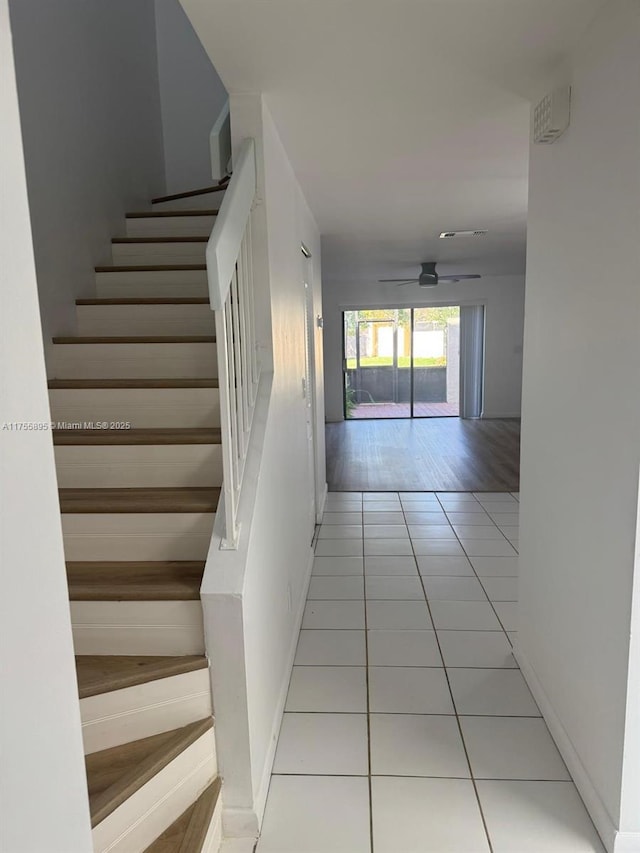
x=434, y=454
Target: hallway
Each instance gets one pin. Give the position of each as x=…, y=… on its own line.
x=408, y=727
x=430, y=454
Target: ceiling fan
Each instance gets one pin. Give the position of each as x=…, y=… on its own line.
x=428, y=277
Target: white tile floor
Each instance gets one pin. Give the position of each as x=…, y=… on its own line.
x=408, y=727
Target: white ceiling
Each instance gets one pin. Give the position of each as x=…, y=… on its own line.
x=402, y=118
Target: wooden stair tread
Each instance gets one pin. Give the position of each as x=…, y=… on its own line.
x=187, y=834
x=158, y=300
x=104, y=673
x=207, y=435
x=77, y=384
x=150, y=267
x=163, y=580
x=139, y=500
x=171, y=839
x=115, y=774
x=154, y=239
x=216, y=188
x=160, y=214
x=137, y=339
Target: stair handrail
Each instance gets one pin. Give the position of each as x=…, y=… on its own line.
x=229, y=259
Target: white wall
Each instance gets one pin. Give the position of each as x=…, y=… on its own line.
x=90, y=112
x=191, y=97
x=254, y=596
x=44, y=797
x=581, y=425
x=503, y=298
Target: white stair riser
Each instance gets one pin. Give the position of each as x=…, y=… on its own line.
x=170, y=226
x=120, y=716
x=137, y=536
x=141, y=254
x=152, y=808
x=207, y=201
x=141, y=407
x=138, y=465
x=97, y=320
x=137, y=627
x=135, y=361
x=151, y=283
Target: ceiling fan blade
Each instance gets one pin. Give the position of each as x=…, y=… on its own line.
x=405, y=283
x=396, y=280
x=458, y=277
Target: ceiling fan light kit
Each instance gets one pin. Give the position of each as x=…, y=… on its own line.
x=452, y=235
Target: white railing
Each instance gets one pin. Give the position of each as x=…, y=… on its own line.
x=230, y=277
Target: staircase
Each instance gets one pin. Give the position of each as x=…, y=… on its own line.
x=136, y=401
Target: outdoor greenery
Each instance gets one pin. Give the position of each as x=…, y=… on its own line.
x=403, y=361
x=438, y=315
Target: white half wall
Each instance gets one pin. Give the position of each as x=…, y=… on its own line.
x=254, y=596
x=45, y=805
x=90, y=111
x=503, y=298
x=581, y=427
x=279, y=552
x=191, y=97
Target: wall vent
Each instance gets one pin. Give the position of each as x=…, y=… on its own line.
x=451, y=235
x=551, y=116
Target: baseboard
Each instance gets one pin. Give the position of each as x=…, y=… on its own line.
x=239, y=824
x=263, y=789
x=626, y=842
x=321, y=505
x=487, y=416
x=614, y=841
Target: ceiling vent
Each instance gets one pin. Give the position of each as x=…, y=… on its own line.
x=451, y=235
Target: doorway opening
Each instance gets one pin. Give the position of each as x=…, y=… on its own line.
x=402, y=362
x=309, y=387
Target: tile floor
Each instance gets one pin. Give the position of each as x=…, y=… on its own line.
x=408, y=727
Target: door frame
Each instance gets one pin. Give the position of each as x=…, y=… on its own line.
x=310, y=382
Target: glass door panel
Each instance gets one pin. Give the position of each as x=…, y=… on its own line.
x=436, y=362
x=377, y=363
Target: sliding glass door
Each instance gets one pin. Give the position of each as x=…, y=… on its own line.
x=402, y=362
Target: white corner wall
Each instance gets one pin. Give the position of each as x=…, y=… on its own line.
x=581, y=427
x=503, y=298
x=191, y=97
x=90, y=112
x=44, y=804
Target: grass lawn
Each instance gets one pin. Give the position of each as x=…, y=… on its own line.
x=403, y=361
